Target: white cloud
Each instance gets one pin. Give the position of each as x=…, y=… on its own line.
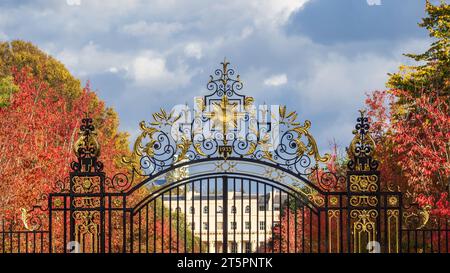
x=73, y=2
x=91, y=59
x=193, y=50
x=113, y=70
x=274, y=12
x=145, y=68
x=276, y=80
x=149, y=69
x=341, y=82
x=143, y=28
x=373, y=2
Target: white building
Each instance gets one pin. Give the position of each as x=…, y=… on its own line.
x=249, y=219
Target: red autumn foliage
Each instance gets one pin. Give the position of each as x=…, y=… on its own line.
x=412, y=140
x=37, y=132
x=440, y=207
x=297, y=232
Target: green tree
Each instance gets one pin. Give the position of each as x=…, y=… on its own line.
x=411, y=119
x=7, y=89
x=432, y=74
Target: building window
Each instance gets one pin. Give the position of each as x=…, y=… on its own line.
x=233, y=225
x=192, y=210
x=233, y=247
x=219, y=209
x=262, y=207
x=248, y=247
x=233, y=209
x=219, y=225
x=262, y=246
x=262, y=225
x=205, y=209
x=276, y=207
x=247, y=225
x=205, y=225
x=247, y=209
x=218, y=247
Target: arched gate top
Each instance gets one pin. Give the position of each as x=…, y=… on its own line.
x=225, y=125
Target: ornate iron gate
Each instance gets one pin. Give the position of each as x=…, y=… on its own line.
x=226, y=177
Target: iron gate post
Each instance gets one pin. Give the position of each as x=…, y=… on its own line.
x=363, y=190
x=87, y=193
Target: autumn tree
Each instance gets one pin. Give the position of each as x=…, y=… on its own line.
x=46, y=69
x=432, y=73
x=37, y=132
x=20, y=54
x=411, y=120
x=41, y=106
x=296, y=232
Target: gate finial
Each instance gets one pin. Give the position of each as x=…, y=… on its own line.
x=362, y=147
x=87, y=148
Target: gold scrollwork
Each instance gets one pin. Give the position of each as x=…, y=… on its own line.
x=364, y=228
x=87, y=231
x=420, y=219
x=363, y=200
x=393, y=200
x=87, y=143
x=86, y=202
x=139, y=149
x=392, y=187
x=57, y=203
x=313, y=150
x=334, y=200
x=224, y=115
x=24, y=216
x=393, y=230
x=425, y=216
x=317, y=199
x=86, y=184
x=177, y=174
x=312, y=195
x=334, y=217
x=117, y=202
x=363, y=183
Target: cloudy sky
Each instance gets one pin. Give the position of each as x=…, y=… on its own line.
x=318, y=57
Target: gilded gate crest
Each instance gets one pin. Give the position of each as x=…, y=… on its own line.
x=225, y=125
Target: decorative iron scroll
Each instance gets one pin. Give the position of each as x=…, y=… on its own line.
x=364, y=228
x=415, y=217
x=225, y=125
x=87, y=149
x=36, y=218
x=362, y=147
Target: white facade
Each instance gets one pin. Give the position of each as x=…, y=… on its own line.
x=248, y=226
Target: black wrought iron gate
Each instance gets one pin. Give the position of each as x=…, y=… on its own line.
x=226, y=177
x=223, y=213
